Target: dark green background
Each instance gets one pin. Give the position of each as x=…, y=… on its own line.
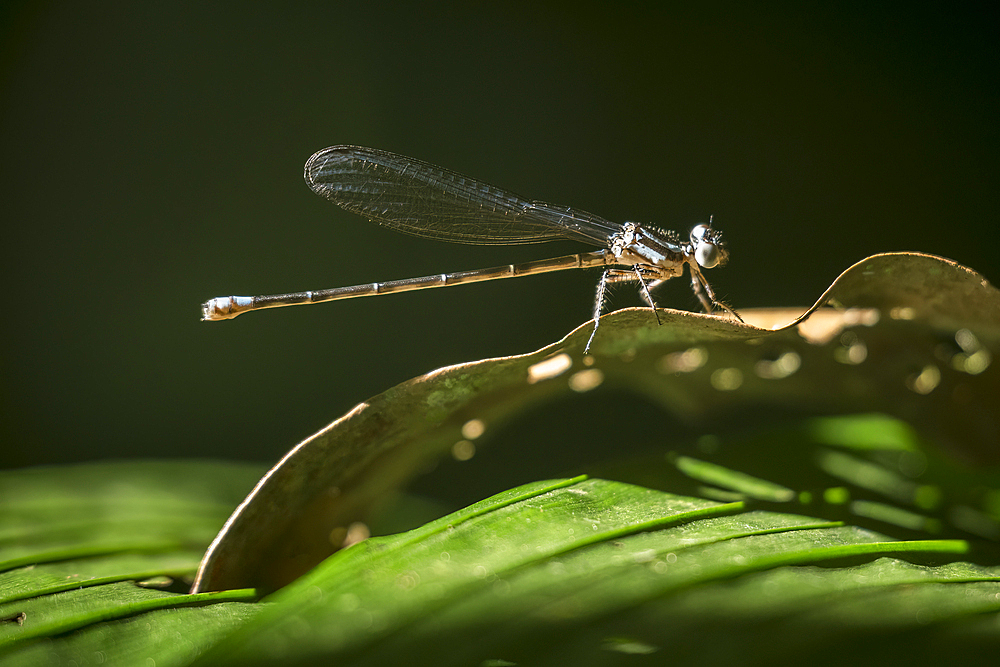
x=152, y=159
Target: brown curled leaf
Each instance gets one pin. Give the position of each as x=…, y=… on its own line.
x=908, y=334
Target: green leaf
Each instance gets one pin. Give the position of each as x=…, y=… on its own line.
x=577, y=570
x=74, y=540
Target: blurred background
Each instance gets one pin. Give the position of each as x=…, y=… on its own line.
x=152, y=159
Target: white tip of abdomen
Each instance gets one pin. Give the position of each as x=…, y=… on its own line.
x=224, y=307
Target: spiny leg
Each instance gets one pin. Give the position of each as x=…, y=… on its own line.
x=706, y=295
x=644, y=291
x=617, y=276
x=602, y=286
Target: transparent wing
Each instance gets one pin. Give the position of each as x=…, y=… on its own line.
x=418, y=198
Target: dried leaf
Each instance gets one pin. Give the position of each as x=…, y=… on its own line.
x=912, y=336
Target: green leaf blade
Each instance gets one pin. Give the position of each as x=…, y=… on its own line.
x=517, y=580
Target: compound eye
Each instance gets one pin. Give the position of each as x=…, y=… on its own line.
x=698, y=234
x=707, y=254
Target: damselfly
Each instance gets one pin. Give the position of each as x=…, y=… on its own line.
x=418, y=198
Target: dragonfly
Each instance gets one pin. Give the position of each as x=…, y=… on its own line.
x=421, y=199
